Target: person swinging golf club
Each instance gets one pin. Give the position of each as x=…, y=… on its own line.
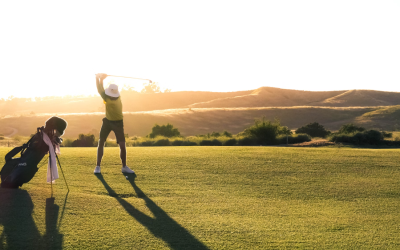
x=112, y=122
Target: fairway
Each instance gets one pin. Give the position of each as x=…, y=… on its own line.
x=210, y=198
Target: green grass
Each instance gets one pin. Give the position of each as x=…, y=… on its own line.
x=211, y=197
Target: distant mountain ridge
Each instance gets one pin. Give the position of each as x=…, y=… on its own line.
x=276, y=97
x=204, y=112
x=261, y=97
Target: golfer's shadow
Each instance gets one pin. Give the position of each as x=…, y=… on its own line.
x=19, y=228
x=162, y=226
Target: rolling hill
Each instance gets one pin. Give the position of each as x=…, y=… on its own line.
x=204, y=112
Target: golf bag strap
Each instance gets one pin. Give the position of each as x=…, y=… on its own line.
x=13, y=152
x=21, y=149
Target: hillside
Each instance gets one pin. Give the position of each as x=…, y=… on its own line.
x=131, y=100
x=262, y=97
x=194, y=121
x=204, y=112
x=269, y=97
x=275, y=97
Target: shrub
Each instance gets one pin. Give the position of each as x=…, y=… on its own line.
x=230, y=142
x=247, y=141
x=265, y=132
x=147, y=143
x=292, y=139
x=206, y=143
x=283, y=130
x=215, y=134
x=372, y=137
x=162, y=142
x=216, y=142
x=84, y=141
x=110, y=144
x=189, y=143
x=386, y=134
x=177, y=143
x=314, y=130
x=227, y=134
x=164, y=130
x=350, y=128
x=67, y=143
x=1, y=137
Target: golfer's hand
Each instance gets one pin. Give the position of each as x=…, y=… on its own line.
x=102, y=76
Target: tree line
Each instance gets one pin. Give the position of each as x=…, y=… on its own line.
x=262, y=132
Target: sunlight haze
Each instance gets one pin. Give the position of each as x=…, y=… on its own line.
x=51, y=48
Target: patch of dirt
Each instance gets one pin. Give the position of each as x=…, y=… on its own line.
x=8, y=131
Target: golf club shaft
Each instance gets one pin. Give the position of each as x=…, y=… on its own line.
x=132, y=78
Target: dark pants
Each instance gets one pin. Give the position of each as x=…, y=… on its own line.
x=116, y=126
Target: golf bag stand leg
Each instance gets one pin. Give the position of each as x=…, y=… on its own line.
x=51, y=178
x=62, y=172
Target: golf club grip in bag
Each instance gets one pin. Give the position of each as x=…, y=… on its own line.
x=17, y=171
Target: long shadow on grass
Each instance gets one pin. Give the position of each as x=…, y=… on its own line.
x=19, y=228
x=52, y=239
x=162, y=226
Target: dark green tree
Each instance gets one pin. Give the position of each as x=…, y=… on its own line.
x=164, y=130
x=350, y=128
x=265, y=132
x=314, y=130
x=84, y=141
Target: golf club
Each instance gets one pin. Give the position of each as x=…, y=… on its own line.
x=132, y=78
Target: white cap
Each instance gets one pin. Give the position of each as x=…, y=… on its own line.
x=112, y=90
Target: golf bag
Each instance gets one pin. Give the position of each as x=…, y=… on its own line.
x=17, y=171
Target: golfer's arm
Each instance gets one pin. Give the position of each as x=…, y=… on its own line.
x=100, y=88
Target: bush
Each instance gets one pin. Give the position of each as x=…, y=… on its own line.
x=162, y=142
x=372, y=137
x=111, y=143
x=227, y=134
x=292, y=139
x=206, y=143
x=387, y=134
x=1, y=137
x=84, y=141
x=230, y=142
x=247, y=141
x=215, y=134
x=67, y=143
x=177, y=143
x=214, y=142
x=314, y=130
x=189, y=143
x=264, y=132
x=164, y=130
x=283, y=130
x=350, y=129
x=147, y=143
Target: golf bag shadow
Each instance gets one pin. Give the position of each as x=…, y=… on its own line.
x=17, y=171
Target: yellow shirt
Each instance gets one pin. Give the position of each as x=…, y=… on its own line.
x=113, y=107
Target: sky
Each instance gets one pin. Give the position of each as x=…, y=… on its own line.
x=54, y=48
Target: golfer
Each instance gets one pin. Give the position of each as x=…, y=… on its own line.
x=112, y=122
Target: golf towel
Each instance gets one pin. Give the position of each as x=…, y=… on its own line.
x=52, y=170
